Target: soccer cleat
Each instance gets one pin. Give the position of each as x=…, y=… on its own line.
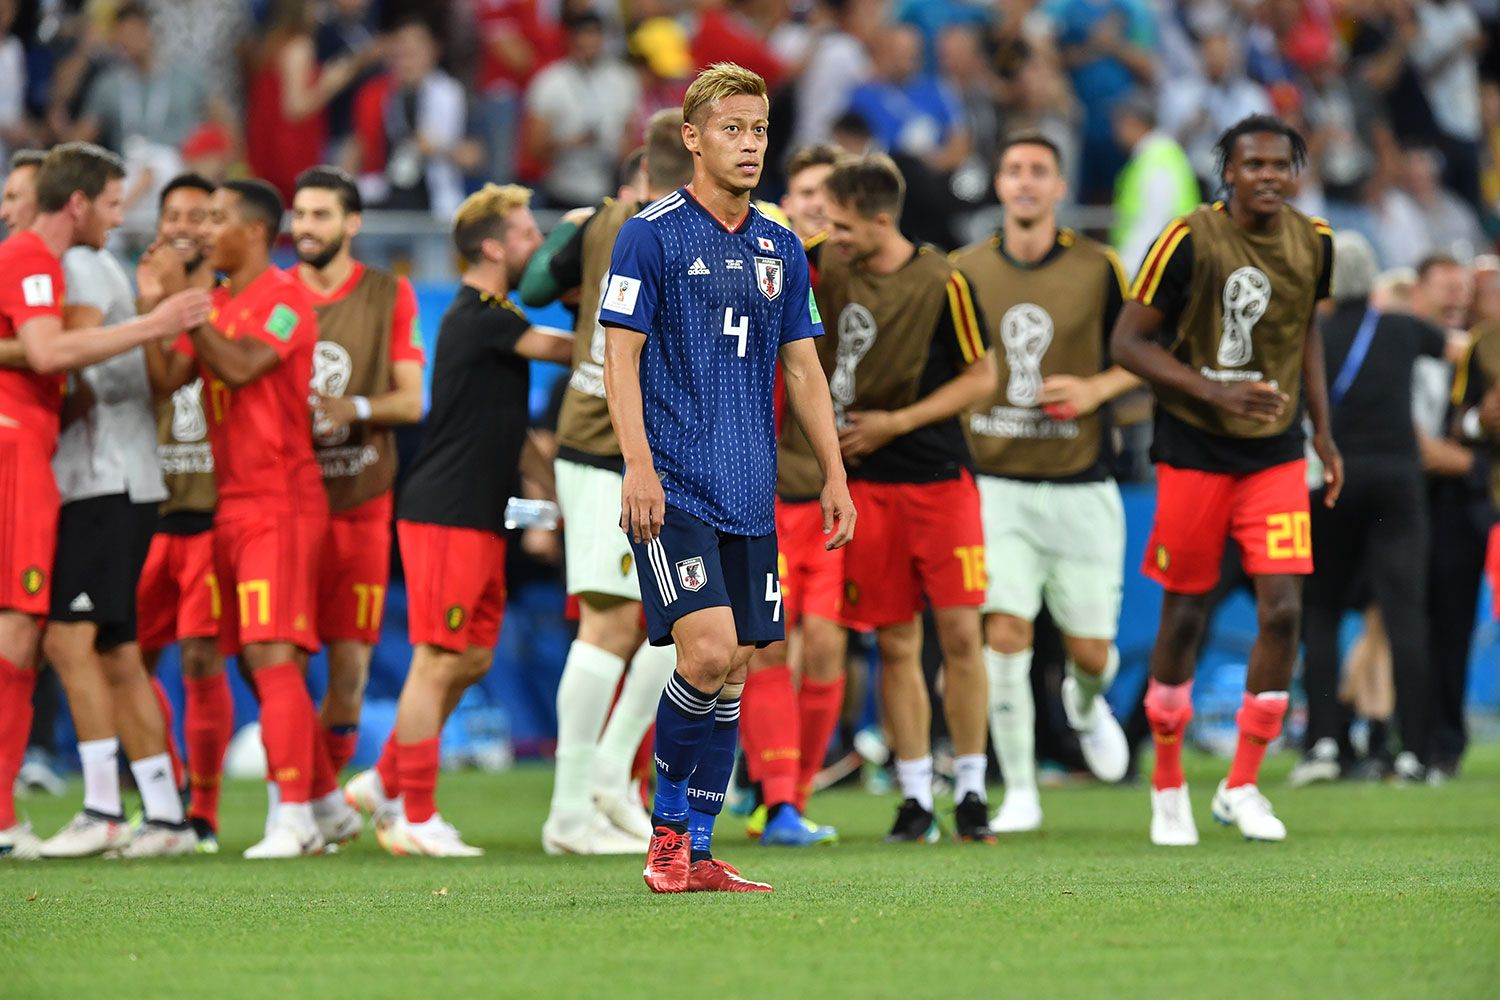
x=1320, y=763
x=667, y=861
x=1172, y=818
x=338, y=822
x=624, y=812
x=37, y=776
x=1406, y=769
x=208, y=837
x=435, y=838
x=159, y=840
x=366, y=793
x=1020, y=812
x=755, y=823
x=1105, y=749
x=590, y=834
x=971, y=821
x=85, y=835
x=789, y=828
x=713, y=875
x=286, y=839
x=18, y=843
x=1246, y=808
x=914, y=825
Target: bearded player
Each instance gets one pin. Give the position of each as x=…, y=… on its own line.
x=1221, y=325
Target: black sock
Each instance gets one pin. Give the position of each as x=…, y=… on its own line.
x=697, y=856
x=1380, y=735
x=669, y=824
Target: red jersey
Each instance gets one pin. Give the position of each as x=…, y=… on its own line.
x=31, y=285
x=406, y=330
x=262, y=433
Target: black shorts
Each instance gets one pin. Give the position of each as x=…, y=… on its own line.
x=101, y=547
x=692, y=565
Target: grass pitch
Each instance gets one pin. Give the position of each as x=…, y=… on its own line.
x=1379, y=891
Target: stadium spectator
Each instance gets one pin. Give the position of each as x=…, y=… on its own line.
x=14, y=130
x=663, y=62
x=18, y=199
x=1445, y=53
x=577, y=110
x=411, y=145
x=1197, y=111
x=207, y=39
x=1107, y=46
x=346, y=31
x=515, y=42
x=1347, y=129
x=1157, y=184
x=1380, y=46
x=1041, y=101
x=839, y=62
x=736, y=31
x=908, y=111
x=1418, y=217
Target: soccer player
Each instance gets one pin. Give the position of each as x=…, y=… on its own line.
x=703, y=294
x=785, y=728
x=367, y=374
x=18, y=196
x=600, y=565
x=1230, y=291
x=79, y=191
x=450, y=516
x=1054, y=526
x=910, y=353
x=256, y=356
x=177, y=597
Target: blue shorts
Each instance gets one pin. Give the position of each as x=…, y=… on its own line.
x=692, y=565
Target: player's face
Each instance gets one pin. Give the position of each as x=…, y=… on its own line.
x=18, y=200
x=731, y=142
x=228, y=235
x=1259, y=172
x=320, y=227
x=184, y=225
x=102, y=214
x=806, y=203
x=1029, y=184
x=522, y=237
x=852, y=236
x=1443, y=296
x=1486, y=296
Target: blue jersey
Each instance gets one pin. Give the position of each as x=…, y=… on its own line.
x=715, y=305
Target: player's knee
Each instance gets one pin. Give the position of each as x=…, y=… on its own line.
x=1281, y=615
x=1183, y=621
x=958, y=634
x=1090, y=655
x=64, y=644
x=823, y=655
x=1007, y=634
x=200, y=659
x=18, y=638
x=705, y=660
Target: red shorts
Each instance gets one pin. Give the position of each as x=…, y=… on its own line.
x=1492, y=566
x=455, y=585
x=354, y=571
x=914, y=540
x=177, y=596
x=28, y=524
x=812, y=578
x=268, y=570
x=1196, y=512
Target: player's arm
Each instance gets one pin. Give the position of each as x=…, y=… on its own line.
x=167, y=369
x=643, y=503
x=961, y=335
x=545, y=344
x=1160, y=292
x=807, y=392
x=1315, y=380
x=402, y=402
x=557, y=265
x=51, y=349
x=1068, y=397
x=13, y=353
x=236, y=363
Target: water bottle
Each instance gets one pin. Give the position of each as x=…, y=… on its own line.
x=523, y=513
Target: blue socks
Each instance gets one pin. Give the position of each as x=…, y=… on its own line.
x=710, y=780
x=684, y=727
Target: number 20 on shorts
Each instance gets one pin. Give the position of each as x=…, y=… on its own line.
x=1289, y=536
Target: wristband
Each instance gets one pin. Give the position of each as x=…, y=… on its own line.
x=1471, y=427
x=361, y=407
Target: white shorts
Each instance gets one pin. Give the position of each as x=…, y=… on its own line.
x=596, y=552
x=1064, y=543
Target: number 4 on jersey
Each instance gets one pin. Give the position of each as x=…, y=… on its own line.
x=733, y=329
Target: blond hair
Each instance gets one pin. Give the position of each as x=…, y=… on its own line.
x=483, y=216
x=718, y=82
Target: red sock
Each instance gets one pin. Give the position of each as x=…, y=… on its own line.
x=1259, y=720
x=418, y=763
x=16, y=687
x=325, y=778
x=1169, y=707
x=208, y=726
x=818, y=706
x=165, y=704
x=287, y=727
x=341, y=742
x=769, y=732
x=643, y=769
x=388, y=767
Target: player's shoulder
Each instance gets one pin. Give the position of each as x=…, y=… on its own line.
x=931, y=261
x=26, y=247
x=766, y=226
x=976, y=251
x=1304, y=220
x=661, y=213
x=1086, y=248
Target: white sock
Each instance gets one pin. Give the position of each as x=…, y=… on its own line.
x=101, y=775
x=634, y=712
x=159, y=797
x=1091, y=686
x=915, y=778
x=298, y=814
x=968, y=775
x=584, y=694
x=331, y=804
x=273, y=803
x=1012, y=717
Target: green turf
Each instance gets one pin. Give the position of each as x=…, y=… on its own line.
x=1379, y=891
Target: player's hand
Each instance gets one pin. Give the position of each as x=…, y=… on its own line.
x=1068, y=397
x=333, y=412
x=838, y=513
x=868, y=432
x=1333, y=467
x=643, y=503
x=1259, y=401
x=184, y=310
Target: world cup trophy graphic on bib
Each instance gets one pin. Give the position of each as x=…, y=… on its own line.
x=1247, y=293
x=1026, y=331
x=856, y=337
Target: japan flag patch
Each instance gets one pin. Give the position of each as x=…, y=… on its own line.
x=765, y=244
x=37, y=290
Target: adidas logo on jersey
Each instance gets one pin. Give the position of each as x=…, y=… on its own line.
x=698, y=267
x=82, y=603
